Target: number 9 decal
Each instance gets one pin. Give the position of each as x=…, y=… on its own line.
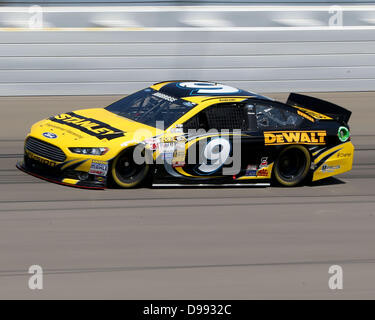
x=207, y=88
x=215, y=154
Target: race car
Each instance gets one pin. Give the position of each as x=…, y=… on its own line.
x=192, y=133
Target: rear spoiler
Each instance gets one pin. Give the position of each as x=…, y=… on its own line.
x=324, y=107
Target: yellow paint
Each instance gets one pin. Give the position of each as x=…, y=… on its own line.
x=160, y=85
x=41, y=159
x=70, y=181
x=70, y=163
x=339, y=162
x=306, y=116
x=338, y=147
x=315, y=115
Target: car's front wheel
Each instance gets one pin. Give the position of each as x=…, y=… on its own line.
x=126, y=173
x=292, y=166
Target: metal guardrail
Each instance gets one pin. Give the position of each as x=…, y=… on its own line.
x=116, y=50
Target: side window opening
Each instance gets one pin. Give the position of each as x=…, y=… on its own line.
x=199, y=121
x=191, y=124
x=226, y=116
x=220, y=117
x=271, y=117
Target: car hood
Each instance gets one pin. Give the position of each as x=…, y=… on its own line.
x=91, y=128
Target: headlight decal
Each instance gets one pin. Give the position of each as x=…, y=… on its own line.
x=89, y=151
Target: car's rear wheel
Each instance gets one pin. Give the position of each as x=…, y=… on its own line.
x=126, y=173
x=292, y=166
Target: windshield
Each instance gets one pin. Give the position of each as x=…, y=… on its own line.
x=149, y=106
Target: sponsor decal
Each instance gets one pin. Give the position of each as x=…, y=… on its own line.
x=178, y=164
x=262, y=173
x=180, y=139
x=167, y=147
x=295, y=137
x=209, y=88
x=344, y=155
x=263, y=163
x=306, y=116
x=189, y=104
x=180, y=146
x=173, y=149
x=61, y=128
x=251, y=170
x=90, y=126
x=49, y=135
x=314, y=114
x=179, y=155
x=227, y=99
x=263, y=168
x=99, y=168
x=168, y=156
x=164, y=96
x=167, y=139
x=40, y=159
x=178, y=129
x=152, y=143
x=327, y=168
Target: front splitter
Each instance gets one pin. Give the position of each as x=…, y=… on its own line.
x=82, y=185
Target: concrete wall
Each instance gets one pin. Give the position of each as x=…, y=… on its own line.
x=96, y=60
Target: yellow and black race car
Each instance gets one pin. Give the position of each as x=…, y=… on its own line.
x=181, y=133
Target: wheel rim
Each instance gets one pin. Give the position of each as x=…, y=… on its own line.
x=126, y=172
x=292, y=165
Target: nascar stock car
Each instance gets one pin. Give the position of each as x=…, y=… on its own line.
x=183, y=133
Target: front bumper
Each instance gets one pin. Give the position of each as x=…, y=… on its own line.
x=64, y=177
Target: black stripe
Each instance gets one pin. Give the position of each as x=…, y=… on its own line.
x=97, y=124
x=320, y=152
x=320, y=163
x=75, y=165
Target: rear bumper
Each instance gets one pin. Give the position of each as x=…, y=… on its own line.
x=334, y=161
x=62, y=178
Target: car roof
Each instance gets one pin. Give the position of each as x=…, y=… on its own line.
x=190, y=88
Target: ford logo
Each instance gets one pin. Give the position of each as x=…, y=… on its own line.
x=49, y=135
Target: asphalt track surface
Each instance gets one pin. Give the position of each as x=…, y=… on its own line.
x=215, y=243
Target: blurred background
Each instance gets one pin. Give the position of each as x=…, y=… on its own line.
x=87, y=47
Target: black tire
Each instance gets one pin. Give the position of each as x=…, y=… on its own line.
x=126, y=173
x=292, y=166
